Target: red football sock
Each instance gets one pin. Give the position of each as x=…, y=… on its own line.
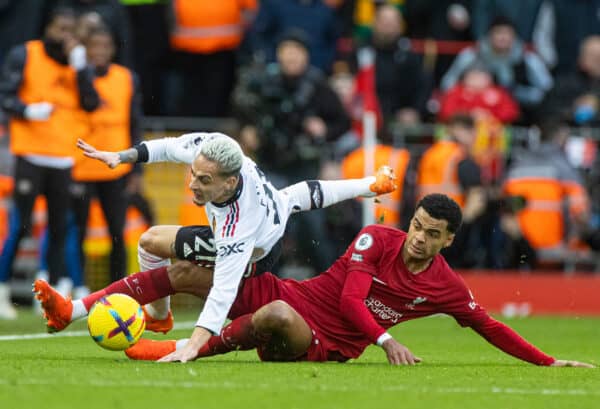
x=238, y=335
x=144, y=287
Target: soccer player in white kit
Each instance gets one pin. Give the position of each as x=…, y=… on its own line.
x=247, y=218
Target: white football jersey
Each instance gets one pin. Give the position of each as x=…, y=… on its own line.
x=245, y=228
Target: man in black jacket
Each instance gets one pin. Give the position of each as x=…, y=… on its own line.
x=292, y=116
x=43, y=88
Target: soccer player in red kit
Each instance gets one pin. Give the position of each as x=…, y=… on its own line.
x=385, y=277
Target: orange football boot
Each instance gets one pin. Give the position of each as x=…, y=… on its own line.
x=56, y=308
x=150, y=350
x=385, y=181
x=155, y=325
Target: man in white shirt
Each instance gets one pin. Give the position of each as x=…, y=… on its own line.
x=247, y=216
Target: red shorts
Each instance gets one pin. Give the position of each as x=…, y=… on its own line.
x=260, y=290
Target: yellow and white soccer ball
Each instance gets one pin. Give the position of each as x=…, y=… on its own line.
x=116, y=322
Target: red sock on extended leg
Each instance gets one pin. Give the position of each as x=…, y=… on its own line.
x=238, y=335
x=144, y=287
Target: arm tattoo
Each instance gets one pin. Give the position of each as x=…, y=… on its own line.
x=128, y=156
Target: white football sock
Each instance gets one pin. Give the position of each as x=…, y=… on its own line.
x=158, y=309
x=79, y=310
x=316, y=194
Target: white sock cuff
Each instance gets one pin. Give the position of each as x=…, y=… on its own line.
x=79, y=310
x=149, y=261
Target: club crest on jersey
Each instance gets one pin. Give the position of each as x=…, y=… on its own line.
x=364, y=242
x=418, y=300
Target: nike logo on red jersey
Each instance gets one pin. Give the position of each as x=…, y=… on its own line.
x=379, y=281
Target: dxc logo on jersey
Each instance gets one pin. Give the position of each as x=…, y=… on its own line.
x=229, y=249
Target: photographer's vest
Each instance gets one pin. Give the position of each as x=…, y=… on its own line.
x=45, y=80
x=109, y=126
x=387, y=207
x=438, y=171
x=542, y=220
x=209, y=26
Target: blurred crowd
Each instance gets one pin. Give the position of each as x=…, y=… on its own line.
x=512, y=86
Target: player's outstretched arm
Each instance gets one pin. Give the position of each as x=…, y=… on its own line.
x=563, y=362
x=190, y=351
x=398, y=354
x=111, y=159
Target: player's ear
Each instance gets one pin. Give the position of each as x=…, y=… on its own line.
x=232, y=182
x=449, y=240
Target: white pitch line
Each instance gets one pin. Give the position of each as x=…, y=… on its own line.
x=82, y=333
x=229, y=385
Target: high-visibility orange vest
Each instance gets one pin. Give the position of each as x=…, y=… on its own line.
x=542, y=221
x=209, y=26
x=109, y=126
x=190, y=214
x=388, y=207
x=438, y=171
x=45, y=80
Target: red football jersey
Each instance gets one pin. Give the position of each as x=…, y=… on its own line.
x=395, y=293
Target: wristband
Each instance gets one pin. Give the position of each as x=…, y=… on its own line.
x=142, y=151
x=382, y=338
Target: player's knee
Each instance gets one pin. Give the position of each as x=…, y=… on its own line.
x=149, y=240
x=275, y=315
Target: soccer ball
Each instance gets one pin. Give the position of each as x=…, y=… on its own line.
x=116, y=322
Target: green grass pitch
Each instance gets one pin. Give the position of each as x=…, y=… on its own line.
x=459, y=370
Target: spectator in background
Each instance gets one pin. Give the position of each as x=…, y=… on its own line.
x=114, y=126
x=447, y=167
x=402, y=86
x=507, y=246
x=150, y=45
x=205, y=36
x=313, y=17
x=292, y=116
x=442, y=20
x=477, y=94
x=394, y=208
x=44, y=88
x=113, y=15
x=532, y=19
x=571, y=22
x=576, y=95
x=548, y=184
x=520, y=71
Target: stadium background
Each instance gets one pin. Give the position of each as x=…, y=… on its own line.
x=165, y=189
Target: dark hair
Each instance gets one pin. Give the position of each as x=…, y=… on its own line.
x=60, y=11
x=501, y=21
x=441, y=207
x=100, y=30
x=296, y=35
x=551, y=128
x=461, y=119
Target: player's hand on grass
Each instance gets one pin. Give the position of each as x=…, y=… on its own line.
x=563, y=362
x=111, y=159
x=190, y=351
x=398, y=354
